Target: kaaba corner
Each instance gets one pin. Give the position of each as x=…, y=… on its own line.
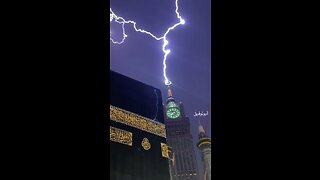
x=138, y=149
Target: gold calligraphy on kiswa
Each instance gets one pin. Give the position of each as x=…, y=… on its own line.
x=120, y=136
x=145, y=144
x=164, y=150
x=137, y=121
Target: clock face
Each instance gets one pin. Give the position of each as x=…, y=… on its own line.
x=173, y=110
x=173, y=113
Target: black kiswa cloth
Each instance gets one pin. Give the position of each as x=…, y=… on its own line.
x=142, y=158
x=136, y=97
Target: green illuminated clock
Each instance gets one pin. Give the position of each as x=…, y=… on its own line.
x=173, y=110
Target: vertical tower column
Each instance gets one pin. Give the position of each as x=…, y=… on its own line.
x=204, y=145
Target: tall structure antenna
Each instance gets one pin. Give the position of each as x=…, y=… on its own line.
x=169, y=90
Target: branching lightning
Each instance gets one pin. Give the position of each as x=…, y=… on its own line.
x=122, y=22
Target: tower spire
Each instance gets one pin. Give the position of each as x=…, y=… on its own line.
x=200, y=127
x=169, y=91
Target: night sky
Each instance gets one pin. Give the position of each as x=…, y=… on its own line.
x=188, y=64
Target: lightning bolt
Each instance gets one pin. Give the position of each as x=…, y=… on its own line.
x=122, y=21
x=155, y=118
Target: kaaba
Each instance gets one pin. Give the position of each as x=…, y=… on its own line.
x=138, y=149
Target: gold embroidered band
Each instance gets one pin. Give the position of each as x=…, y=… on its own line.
x=137, y=121
x=120, y=136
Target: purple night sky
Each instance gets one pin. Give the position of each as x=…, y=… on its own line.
x=189, y=63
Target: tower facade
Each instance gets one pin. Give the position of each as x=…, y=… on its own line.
x=204, y=145
x=184, y=165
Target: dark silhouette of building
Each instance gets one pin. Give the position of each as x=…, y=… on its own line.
x=138, y=147
x=184, y=165
x=204, y=145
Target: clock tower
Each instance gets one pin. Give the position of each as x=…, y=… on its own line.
x=179, y=139
x=172, y=109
